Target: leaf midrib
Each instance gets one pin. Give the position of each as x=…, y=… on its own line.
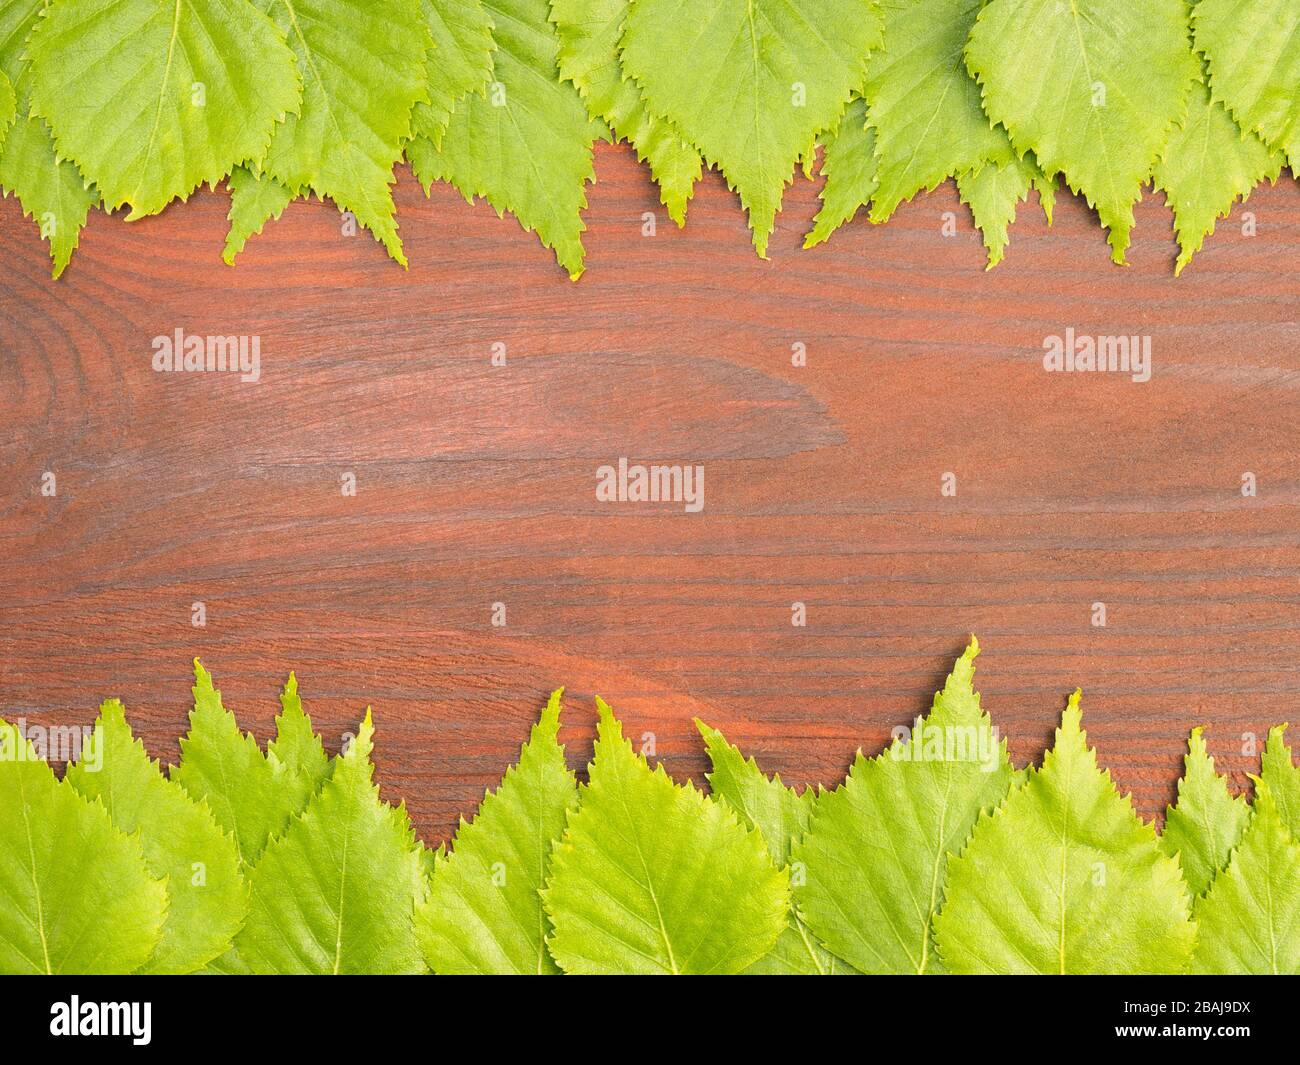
x=31, y=854
x=1060, y=896
x=162, y=99
x=649, y=886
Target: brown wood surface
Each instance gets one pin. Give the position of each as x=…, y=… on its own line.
x=477, y=484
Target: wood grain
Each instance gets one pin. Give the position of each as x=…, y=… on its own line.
x=476, y=484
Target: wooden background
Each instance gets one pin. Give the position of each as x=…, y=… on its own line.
x=477, y=484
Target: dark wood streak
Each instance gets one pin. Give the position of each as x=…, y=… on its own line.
x=477, y=483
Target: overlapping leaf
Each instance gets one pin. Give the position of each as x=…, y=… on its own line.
x=336, y=893
x=1279, y=777
x=878, y=848
x=52, y=191
x=363, y=72
x=789, y=67
x=1207, y=166
x=652, y=877
x=161, y=98
x=1249, y=920
x=1091, y=87
x=118, y=869
x=78, y=894
x=299, y=97
x=296, y=746
x=251, y=795
x=484, y=911
x=925, y=106
x=994, y=191
x=590, y=32
x=1208, y=820
x=183, y=844
x=1065, y=878
x=1252, y=49
x=781, y=814
x=525, y=144
x=849, y=165
x=255, y=199
x=460, y=63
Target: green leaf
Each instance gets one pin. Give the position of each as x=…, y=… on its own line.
x=363, y=71
x=993, y=192
x=229, y=964
x=925, y=106
x=255, y=199
x=1253, y=54
x=1065, y=878
x=1280, y=779
x=183, y=844
x=484, y=912
x=1208, y=820
x=296, y=746
x=1249, y=920
x=524, y=146
x=849, y=163
x=879, y=846
x=335, y=894
x=651, y=877
x=1092, y=87
x=1207, y=166
x=780, y=814
x=52, y=191
x=251, y=796
x=8, y=104
x=161, y=97
x=589, y=32
x=459, y=64
x=788, y=68
x=78, y=896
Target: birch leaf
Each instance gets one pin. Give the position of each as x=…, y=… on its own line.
x=524, y=146
x=789, y=67
x=251, y=796
x=183, y=844
x=993, y=193
x=1280, y=778
x=255, y=199
x=459, y=64
x=1208, y=820
x=79, y=897
x=363, y=71
x=1249, y=920
x=781, y=814
x=849, y=163
x=484, y=912
x=651, y=877
x=1091, y=87
x=336, y=893
x=1207, y=166
x=1065, y=878
x=52, y=191
x=878, y=849
x=1252, y=51
x=589, y=32
x=161, y=97
x=925, y=106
